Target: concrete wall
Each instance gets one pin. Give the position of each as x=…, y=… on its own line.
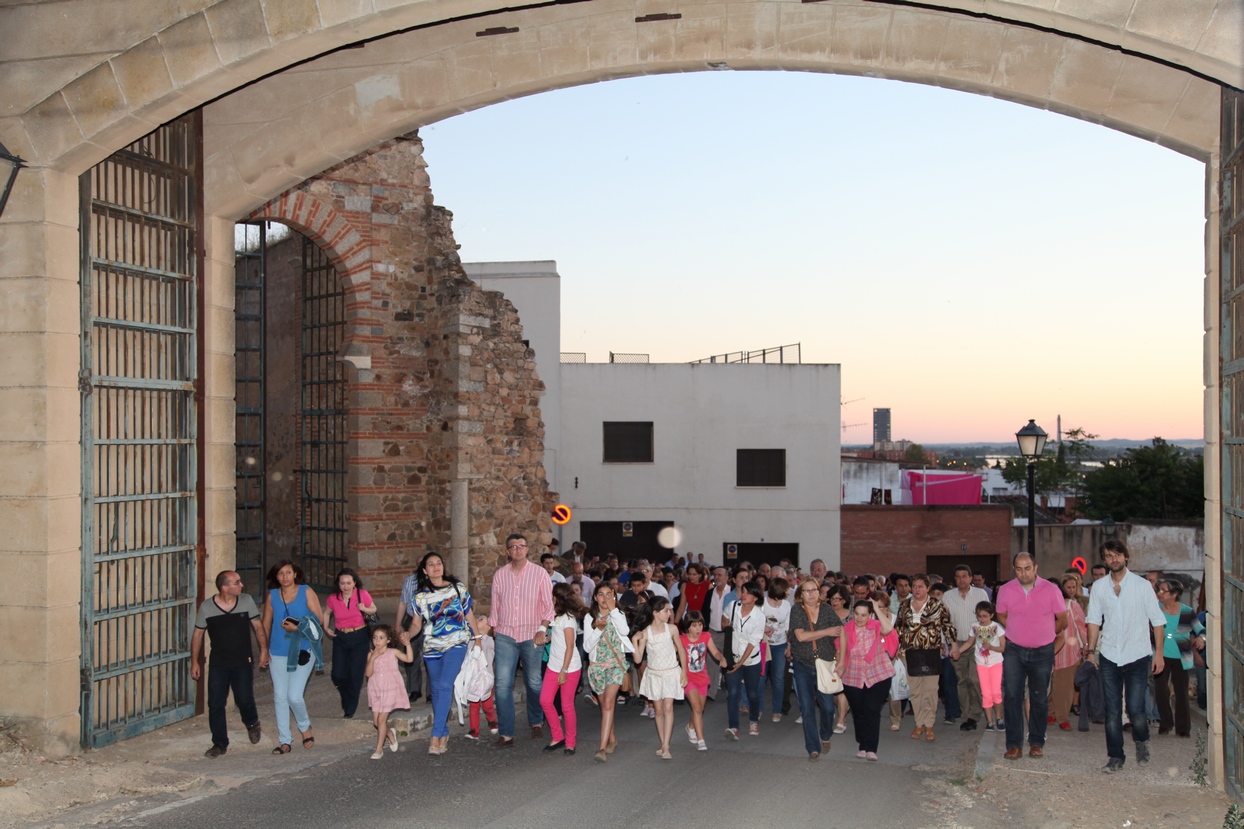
x=860, y=477
x=898, y=539
x=701, y=414
x=1172, y=548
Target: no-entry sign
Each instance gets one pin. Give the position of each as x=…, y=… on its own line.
x=1080, y=564
x=561, y=515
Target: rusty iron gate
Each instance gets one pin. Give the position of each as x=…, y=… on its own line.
x=250, y=389
x=322, y=513
x=1231, y=272
x=141, y=223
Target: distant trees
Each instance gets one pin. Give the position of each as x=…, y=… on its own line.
x=1059, y=469
x=1159, y=481
x=914, y=454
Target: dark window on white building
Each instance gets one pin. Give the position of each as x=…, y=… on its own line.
x=761, y=467
x=628, y=441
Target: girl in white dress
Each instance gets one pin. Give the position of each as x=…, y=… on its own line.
x=667, y=664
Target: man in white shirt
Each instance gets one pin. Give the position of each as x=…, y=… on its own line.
x=549, y=562
x=716, y=608
x=654, y=584
x=962, y=603
x=1122, y=610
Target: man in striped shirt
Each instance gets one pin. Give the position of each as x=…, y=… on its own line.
x=522, y=610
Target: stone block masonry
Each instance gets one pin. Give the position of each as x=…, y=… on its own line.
x=442, y=391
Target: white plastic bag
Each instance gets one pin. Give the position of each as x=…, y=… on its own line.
x=899, y=690
x=474, y=682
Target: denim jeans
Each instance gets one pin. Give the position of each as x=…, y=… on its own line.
x=287, y=690
x=950, y=688
x=810, y=702
x=505, y=664
x=747, y=676
x=219, y=682
x=442, y=671
x=1032, y=667
x=774, y=678
x=1116, y=680
x=349, y=665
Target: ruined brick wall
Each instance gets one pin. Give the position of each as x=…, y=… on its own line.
x=451, y=392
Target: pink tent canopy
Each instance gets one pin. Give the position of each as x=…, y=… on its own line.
x=959, y=488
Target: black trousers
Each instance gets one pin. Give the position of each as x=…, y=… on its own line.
x=414, y=671
x=349, y=665
x=1174, y=673
x=219, y=682
x=866, y=705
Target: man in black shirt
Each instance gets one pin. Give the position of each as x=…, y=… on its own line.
x=228, y=619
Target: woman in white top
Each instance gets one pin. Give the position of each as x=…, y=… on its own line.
x=667, y=665
x=562, y=674
x=606, y=641
x=777, y=622
x=747, y=621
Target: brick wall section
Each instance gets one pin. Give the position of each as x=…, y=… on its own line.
x=898, y=539
x=451, y=393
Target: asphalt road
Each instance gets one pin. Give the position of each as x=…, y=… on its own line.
x=757, y=780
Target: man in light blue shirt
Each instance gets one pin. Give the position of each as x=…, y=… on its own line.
x=1122, y=610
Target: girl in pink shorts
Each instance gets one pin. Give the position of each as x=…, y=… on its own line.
x=699, y=646
x=988, y=641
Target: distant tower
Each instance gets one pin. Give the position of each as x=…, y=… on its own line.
x=881, y=426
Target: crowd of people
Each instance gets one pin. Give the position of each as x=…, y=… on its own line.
x=1022, y=655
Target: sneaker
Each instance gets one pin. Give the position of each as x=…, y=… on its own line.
x=691, y=735
x=999, y=725
x=949, y=721
x=840, y=728
x=377, y=755
x=990, y=726
x=968, y=725
x=215, y=751
x=1111, y=767
x=472, y=735
x=732, y=733
x=701, y=746
x=753, y=729
x=799, y=721
x=1142, y=753
x=777, y=717
x=493, y=728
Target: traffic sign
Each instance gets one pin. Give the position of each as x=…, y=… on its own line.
x=561, y=515
x=1078, y=563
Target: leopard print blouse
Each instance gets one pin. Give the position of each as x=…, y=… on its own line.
x=927, y=632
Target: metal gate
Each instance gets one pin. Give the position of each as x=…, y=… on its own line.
x=322, y=516
x=1231, y=270
x=141, y=258
x=250, y=243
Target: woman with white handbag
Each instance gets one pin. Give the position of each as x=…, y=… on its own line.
x=811, y=622
x=866, y=671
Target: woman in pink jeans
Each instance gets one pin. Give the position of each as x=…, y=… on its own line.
x=562, y=675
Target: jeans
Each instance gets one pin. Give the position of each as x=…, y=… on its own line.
x=442, y=671
x=950, y=688
x=287, y=690
x=1032, y=667
x=746, y=676
x=866, y=706
x=775, y=677
x=1132, y=679
x=219, y=682
x=505, y=664
x=810, y=702
x=349, y=665
x=549, y=691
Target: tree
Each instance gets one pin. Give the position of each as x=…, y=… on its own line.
x=1159, y=481
x=1059, y=468
x=914, y=455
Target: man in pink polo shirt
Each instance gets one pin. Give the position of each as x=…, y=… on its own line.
x=1033, y=612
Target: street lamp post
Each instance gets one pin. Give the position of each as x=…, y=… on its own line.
x=1031, y=445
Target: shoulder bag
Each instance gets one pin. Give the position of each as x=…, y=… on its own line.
x=827, y=679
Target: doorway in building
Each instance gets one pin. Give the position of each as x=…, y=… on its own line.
x=605, y=538
x=758, y=553
x=944, y=566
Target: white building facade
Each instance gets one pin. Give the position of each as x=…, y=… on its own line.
x=741, y=458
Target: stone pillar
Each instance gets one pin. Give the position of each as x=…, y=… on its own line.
x=40, y=504
x=1216, y=749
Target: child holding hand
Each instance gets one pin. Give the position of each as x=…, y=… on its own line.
x=386, y=690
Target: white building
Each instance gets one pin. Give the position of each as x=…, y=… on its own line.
x=742, y=458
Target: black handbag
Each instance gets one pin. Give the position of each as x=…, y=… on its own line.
x=924, y=662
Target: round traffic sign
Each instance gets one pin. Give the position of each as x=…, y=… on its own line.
x=1080, y=564
x=561, y=514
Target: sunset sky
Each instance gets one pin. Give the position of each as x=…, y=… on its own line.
x=971, y=263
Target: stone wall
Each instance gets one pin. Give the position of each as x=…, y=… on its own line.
x=443, y=395
x=1177, y=548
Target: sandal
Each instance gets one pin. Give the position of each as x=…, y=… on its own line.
x=283, y=748
x=308, y=742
